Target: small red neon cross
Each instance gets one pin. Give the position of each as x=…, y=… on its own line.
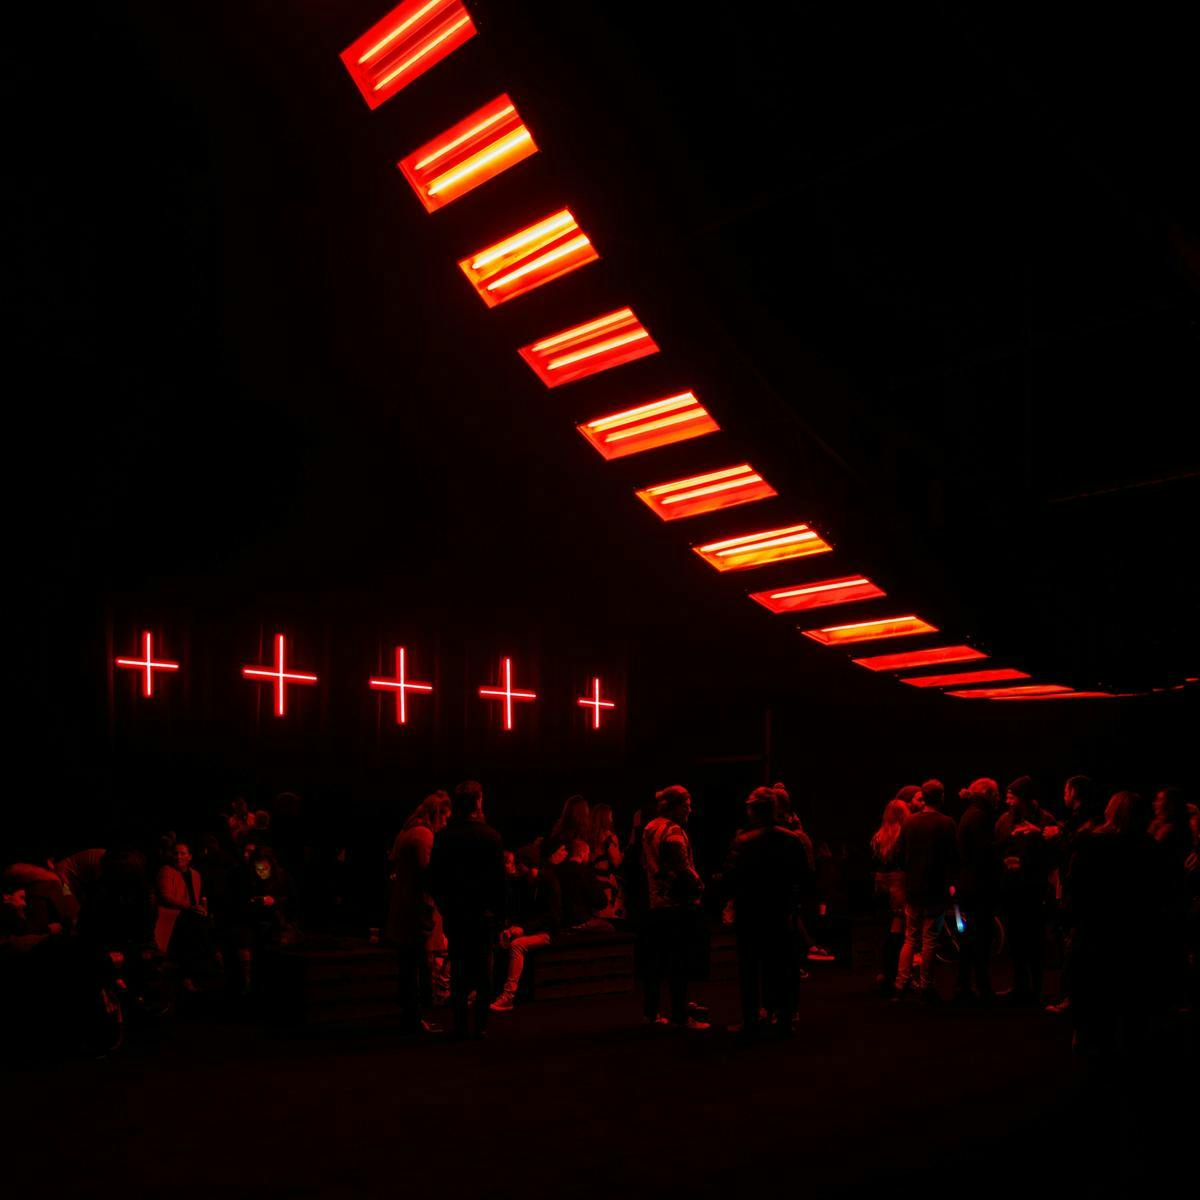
x=506, y=693
x=148, y=665
x=594, y=702
x=279, y=673
x=401, y=686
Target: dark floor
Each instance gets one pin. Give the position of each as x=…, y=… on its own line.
x=577, y=1098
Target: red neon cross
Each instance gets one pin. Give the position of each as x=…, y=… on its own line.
x=148, y=665
x=401, y=686
x=279, y=673
x=594, y=702
x=506, y=692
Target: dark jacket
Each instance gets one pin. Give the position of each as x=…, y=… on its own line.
x=978, y=861
x=766, y=874
x=928, y=850
x=466, y=875
x=581, y=892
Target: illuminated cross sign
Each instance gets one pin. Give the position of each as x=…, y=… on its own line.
x=401, y=686
x=594, y=702
x=279, y=675
x=506, y=693
x=147, y=665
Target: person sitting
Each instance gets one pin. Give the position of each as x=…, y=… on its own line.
x=182, y=929
x=545, y=920
x=261, y=916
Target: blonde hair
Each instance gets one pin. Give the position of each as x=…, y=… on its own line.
x=883, y=842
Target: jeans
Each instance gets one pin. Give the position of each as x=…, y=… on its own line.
x=518, y=948
x=921, y=929
x=668, y=933
x=975, y=949
x=767, y=970
x=470, y=970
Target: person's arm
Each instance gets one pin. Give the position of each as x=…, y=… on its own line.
x=170, y=889
x=614, y=851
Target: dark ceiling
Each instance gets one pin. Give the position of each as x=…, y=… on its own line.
x=935, y=273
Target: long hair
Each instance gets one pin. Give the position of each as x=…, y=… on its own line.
x=883, y=841
x=1120, y=813
x=573, y=822
x=601, y=826
x=431, y=812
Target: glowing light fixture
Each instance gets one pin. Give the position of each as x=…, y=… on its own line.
x=592, y=700
x=1027, y=691
x=506, y=692
x=147, y=665
x=869, y=631
x=1067, y=694
x=674, y=419
x=707, y=493
x=758, y=549
x=412, y=38
x=401, y=686
x=279, y=675
x=478, y=148
x=818, y=595
x=607, y=341
x=959, y=678
x=937, y=656
x=548, y=250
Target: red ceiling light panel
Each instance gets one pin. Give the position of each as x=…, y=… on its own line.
x=961, y=678
x=673, y=419
x=707, y=493
x=506, y=692
x=936, y=657
x=869, y=631
x=548, y=250
x=758, y=549
x=400, y=685
x=412, y=38
x=279, y=675
x=607, y=341
x=477, y=149
x=147, y=665
x=1031, y=691
x=827, y=592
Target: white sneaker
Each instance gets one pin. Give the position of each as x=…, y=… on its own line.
x=502, y=1003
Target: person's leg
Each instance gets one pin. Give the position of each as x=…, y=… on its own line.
x=679, y=936
x=481, y=975
x=408, y=985
x=985, y=934
x=1037, y=947
x=779, y=968
x=460, y=982
x=908, y=950
x=653, y=967
x=749, y=965
x=518, y=949
x=931, y=926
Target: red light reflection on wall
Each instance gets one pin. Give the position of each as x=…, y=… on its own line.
x=757, y=549
x=279, y=675
x=958, y=678
x=401, y=685
x=920, y=658
x=478, y=148
x=506, y=693
x=594, y=702
x=707, y=493
x=412, y=38
x=673, y=419
x=818, y=595
x=869, y=631
x=147, y=665
x=608, y=341
x=528, y=258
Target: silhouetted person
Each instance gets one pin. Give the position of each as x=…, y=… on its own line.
x=928, y=851
x=1022, y=839
x=889, y=884
x=673, y=890
x=412, y=919
x=467, y=881
x=538, y=929
x=183, y=929
x=977, y=890
x=765, y=873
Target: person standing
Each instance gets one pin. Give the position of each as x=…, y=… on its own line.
x=977, y=891
x=765, y=873
x=467, y=881
x=1022, y=836
x=413, y=922
x=673, y=899
x=889, y=883
x=927, y=850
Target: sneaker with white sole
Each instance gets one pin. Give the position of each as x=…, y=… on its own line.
x=502, y=1003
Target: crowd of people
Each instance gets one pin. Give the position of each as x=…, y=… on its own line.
x=1113, y=883
x=465, y=915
